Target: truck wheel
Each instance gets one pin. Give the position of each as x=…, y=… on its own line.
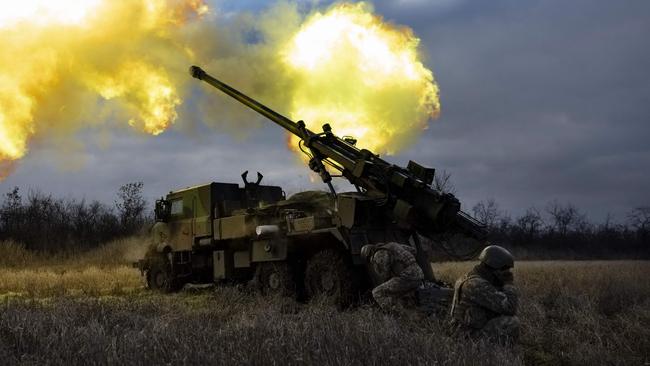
x=330, y=277
x=275, y=278
x=159, y=276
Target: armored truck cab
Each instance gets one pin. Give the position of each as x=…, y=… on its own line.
x=197, y=224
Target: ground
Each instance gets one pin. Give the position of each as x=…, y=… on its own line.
x=93, y=309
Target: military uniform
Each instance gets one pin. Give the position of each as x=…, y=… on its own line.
x=395, y=267
x=482, y=308
x=485, y=301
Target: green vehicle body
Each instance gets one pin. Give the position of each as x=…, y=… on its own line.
x=223, y=232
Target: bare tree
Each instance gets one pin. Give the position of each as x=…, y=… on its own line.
x=442, y=182
x=131, y=206
x=487, y=212
x=607, y=224
x=11, y=212
x=639, y=219
x=531, y=222
x=565, y=217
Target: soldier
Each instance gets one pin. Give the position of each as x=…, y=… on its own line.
x=397, y=271
x=485, y=299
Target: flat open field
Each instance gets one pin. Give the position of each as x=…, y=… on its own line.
x=90, y=310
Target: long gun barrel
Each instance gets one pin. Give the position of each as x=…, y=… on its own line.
x=406, y=192
x=258, y=107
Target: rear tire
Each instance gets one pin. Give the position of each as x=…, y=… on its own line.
x=275, y=278
x=160, y=277
x=330, y=278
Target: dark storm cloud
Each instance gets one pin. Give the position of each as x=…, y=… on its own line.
x=541, y=100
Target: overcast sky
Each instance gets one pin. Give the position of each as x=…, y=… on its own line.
x=541, y=101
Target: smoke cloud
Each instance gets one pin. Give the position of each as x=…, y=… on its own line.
x=123, y=64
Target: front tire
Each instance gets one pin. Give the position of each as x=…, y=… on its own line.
x=329, y=277
x=275, y=278
x=160, y=277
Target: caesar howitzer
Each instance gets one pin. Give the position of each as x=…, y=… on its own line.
x=309, y=244
x=405, y=194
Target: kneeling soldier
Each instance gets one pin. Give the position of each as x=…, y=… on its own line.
x=485, y=299
x=396, y=269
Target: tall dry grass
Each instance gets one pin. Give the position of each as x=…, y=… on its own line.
x=90, y=308
x=101, y=271
x=119, y=252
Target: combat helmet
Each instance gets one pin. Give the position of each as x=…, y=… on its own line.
x=496, y=257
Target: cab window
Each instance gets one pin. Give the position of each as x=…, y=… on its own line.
x=177, y=207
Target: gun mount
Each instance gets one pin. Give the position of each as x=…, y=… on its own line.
x=405, y=194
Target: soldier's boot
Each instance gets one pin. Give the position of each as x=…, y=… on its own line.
x=385, y=301
x=503, y=329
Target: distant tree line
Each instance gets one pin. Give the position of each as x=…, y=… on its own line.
x=563, y=231
x=43, y=222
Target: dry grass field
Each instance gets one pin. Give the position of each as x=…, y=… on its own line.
x=91, y=308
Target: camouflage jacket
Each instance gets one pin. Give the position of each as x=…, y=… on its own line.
x=392, y=259
x=476, y=301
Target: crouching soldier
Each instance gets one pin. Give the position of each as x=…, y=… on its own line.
x=485, y=299
x=396, y=270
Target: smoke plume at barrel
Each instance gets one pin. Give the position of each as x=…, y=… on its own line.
x=69, y=66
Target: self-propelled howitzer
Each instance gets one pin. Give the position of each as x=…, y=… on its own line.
x=405, y=195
